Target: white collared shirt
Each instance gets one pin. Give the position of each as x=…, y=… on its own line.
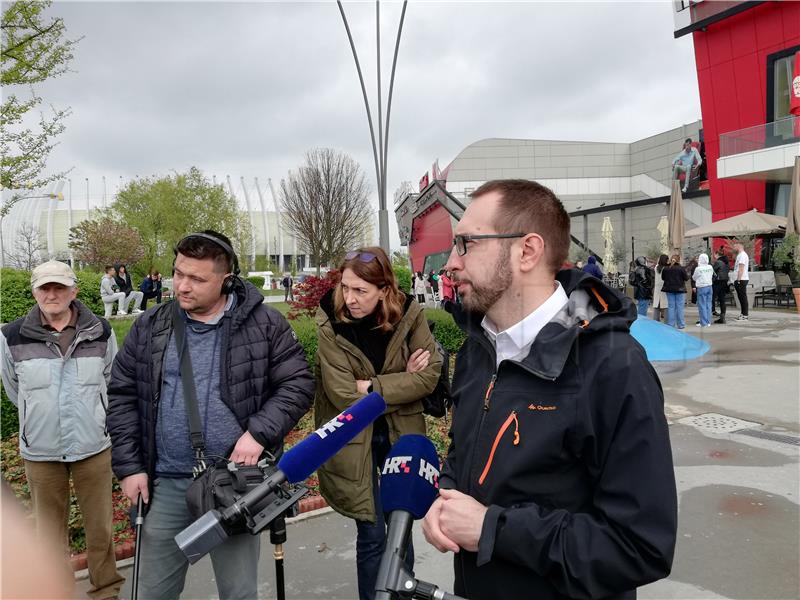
x=515, y=342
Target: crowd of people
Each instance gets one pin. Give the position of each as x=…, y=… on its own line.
x=662, y=285
x=558, y=480
x=117, y=286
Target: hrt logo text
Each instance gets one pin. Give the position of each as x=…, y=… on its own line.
x=396, y=465
x=428, y=472
x=333, y=425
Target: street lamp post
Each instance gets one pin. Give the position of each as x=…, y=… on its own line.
x=379, y=150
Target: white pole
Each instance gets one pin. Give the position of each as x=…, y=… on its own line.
x=264, y=217
x=252, y=225
x=280, y=227
x=69, y=224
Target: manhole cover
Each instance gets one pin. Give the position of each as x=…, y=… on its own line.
x=715, y=423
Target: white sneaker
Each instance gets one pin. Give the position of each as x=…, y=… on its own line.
x=697, y=325
x=137, y=311
x=122, y=313
x=742, y=318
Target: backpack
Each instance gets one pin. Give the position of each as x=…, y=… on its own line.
x=439, y=401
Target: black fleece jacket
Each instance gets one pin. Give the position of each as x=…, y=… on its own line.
x=264, y=379
x=570, y=451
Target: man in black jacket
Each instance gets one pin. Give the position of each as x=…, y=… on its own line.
x=252, y=384
x=558, y=482
x=123, y=281
x=721, y=271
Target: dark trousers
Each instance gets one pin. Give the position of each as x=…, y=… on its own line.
x=148, y=295
x=371, y=537
x=720, y=291
x=741, y=292
x=287, y=294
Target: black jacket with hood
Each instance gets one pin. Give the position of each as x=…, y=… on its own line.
x=123, y=283
x=570, y=452
x=264, y=379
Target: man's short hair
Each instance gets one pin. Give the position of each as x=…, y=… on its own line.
x=200, y=248
x=109, y=267
x=529, y=207
x=687, y=141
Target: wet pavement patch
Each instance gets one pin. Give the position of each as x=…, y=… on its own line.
x=691, y=448
x=738, y=542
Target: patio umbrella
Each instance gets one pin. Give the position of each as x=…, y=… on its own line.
x=663, y=229
x=751, y=222
x=608, y=243
x=793, y=216
x=677, y=226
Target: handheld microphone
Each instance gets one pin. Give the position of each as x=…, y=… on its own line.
x=295, y=465
x=409, y=485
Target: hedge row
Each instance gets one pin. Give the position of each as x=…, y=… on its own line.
x=16, y=298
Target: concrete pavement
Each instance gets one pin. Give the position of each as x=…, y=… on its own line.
x=735, y=428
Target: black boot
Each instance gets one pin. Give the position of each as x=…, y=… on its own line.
x=721, y=320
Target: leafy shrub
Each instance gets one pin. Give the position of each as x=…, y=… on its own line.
x=16, y=299
x=306, y=331
x=309, y=293
x=89, y=291
x=257, y=281
x=445, y=330
x=403, y=276
x=15, y=294
x=9, y=417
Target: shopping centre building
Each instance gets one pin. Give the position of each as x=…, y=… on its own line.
x=745, y=57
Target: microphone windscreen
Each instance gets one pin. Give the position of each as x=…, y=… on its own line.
x=302, y=460
x=410, y=476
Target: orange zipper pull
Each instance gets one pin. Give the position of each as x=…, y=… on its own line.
x=489, y=392
x=516, y=427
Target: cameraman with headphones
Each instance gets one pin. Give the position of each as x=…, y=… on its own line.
x=252, y=385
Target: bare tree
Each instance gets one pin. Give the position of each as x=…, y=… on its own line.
x=325, y=204
x=28, y=248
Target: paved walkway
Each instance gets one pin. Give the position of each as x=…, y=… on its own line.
x=739, y=515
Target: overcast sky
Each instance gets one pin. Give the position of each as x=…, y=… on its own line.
x=246, y=88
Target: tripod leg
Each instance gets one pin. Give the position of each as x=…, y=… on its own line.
x=277, y=536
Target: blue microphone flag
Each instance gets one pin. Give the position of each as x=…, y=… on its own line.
x=410, y=476
x=302, y=460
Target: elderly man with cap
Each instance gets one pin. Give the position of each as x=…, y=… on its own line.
x=56, y=362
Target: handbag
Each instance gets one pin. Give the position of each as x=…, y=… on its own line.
x=439, y=401
x=219, y=485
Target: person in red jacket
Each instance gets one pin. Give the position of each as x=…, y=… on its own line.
x=447, y=285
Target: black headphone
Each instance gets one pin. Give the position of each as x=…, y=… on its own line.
x=230, y=281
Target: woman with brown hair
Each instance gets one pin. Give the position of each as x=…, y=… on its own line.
x=371, y=337
x=675, y=278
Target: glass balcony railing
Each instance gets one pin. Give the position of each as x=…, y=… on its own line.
x=778, y=133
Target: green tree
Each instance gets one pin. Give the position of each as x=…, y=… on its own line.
x=105, y=241
x=163, y=210
x=34, y=49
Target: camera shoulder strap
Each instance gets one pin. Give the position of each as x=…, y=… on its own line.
x=187, y=380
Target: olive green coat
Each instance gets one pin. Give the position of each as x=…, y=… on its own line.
x=346, y=479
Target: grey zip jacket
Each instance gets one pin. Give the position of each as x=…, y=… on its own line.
x=62, y=400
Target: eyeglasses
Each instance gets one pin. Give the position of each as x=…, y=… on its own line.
x=460, y=241
x=362, y=256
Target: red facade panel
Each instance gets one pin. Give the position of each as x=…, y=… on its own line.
x=431, y=233
x=731, y=57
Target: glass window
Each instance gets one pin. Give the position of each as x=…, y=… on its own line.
x=782, y=199
x=783, y=83
x=434, y=262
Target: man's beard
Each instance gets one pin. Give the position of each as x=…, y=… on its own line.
x=482, y=297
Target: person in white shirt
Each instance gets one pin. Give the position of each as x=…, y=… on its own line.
x=703, y=277
x=558, y=481
x=741, y=279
